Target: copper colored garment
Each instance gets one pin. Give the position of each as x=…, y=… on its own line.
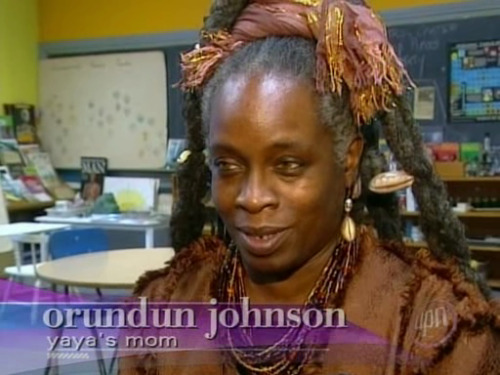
x=393, y=293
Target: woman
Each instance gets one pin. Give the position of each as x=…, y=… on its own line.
x=284, y=95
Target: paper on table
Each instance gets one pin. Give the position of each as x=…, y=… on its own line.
x=133, y=194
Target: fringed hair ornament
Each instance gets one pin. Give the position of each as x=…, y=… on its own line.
x=353, y=50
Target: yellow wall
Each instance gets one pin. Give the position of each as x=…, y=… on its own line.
x=18, y=51
x=381, y=5
x=86, y=19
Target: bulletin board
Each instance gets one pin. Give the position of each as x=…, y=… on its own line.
x=112, y=105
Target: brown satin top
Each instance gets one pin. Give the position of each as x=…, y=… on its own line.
x=413, y=302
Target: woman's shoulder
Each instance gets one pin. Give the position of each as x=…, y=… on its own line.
x=442, y=310
x=425, y=275
x=187, y=276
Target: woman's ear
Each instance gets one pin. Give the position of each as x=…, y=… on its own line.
x=353, y=158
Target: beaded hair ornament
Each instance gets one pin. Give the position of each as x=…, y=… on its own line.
x=352, y=49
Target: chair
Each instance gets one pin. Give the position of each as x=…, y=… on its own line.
x=6, y=245
x=17, y=272
x=71, y=242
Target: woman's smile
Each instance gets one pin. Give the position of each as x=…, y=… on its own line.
x=261, y=241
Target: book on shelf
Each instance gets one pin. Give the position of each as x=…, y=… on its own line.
x=35, y=187
x=13, y=189
x=40, y=164
x=23, y=116
x=26, y=150
x=9, y=152
x=93, y=171
x=10, y=157
x=7, y=128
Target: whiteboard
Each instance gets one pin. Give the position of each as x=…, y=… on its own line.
x=112, y=106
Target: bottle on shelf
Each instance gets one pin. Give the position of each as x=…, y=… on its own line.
x=486, y=162
x=495, y=203
x=472, y=168
x=485, y=202
x=477, y=202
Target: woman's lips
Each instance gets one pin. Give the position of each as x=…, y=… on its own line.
x=262, y=245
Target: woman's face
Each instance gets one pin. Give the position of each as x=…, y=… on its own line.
x=275, y=180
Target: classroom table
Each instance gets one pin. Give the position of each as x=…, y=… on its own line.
x=110, y=269
x=23, y=232
x=115, y=222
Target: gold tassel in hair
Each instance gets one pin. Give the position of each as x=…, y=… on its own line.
x=358, y=54
x=199, y=64
x=309, y=3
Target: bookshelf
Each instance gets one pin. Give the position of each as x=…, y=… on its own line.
x=472, y=179
x=469, y=214
x=494, y=283
x=485, y=248
x=478, y=223
x=13, y=207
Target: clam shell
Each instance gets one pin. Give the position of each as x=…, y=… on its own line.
x=348, y=229
x=389, y=182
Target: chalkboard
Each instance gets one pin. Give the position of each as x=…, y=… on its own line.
x=424, y=48
x=176, y=121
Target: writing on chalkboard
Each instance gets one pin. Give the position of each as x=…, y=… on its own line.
x=413, y=46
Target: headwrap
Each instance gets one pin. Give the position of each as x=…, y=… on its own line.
x=352, y=49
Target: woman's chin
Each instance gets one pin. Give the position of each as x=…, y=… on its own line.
x=265, y=269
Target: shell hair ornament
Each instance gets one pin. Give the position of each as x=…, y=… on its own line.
x=390, y=182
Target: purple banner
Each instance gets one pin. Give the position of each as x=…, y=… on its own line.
x=70, y=330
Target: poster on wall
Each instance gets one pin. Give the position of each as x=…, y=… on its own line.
x=424, y=103
x=112, y=106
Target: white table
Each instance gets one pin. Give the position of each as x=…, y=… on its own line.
x=115, y=222
x=20, y=232
x=111, y=269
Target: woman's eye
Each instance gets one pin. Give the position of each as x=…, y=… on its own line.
x=225, y=166
x=289, y=166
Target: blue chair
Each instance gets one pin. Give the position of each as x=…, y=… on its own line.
x=71, y=242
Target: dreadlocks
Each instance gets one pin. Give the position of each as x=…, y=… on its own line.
x=295, y=57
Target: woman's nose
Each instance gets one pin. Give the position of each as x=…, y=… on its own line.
x=256, y=194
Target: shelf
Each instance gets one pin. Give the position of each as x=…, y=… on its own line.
x=472, y=179
x=472, y=214
x=485, y=248
x=494, y=283
x=27, y=206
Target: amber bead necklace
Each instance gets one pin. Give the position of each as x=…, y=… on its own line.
x=290, y=353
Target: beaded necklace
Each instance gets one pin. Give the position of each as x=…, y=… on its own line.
x=290, y=353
